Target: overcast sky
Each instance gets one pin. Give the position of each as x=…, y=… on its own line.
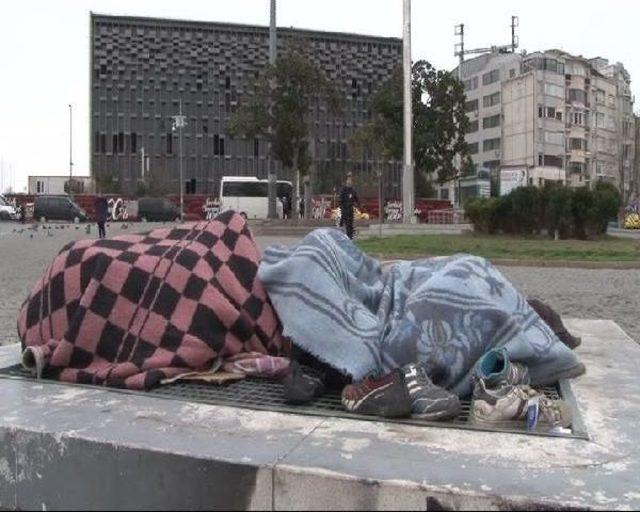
x=44, y=52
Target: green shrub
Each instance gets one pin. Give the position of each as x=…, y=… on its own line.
x=525, y=210
x=570, y=212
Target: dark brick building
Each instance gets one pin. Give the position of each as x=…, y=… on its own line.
x=142, y=67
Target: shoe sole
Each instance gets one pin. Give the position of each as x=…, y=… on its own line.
x=439, y=416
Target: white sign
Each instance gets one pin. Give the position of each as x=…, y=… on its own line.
x=511, y=179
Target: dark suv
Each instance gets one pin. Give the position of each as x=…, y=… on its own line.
x=57, y=208
x=154, y=209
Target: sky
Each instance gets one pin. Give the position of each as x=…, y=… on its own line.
x=44, y=52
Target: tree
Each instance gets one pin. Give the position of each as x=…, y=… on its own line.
x=439, y=124
x=279, y=108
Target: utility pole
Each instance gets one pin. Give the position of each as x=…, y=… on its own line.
x=408, y=189
x=273, y=51
x=70, y=150
x=459, y=31
x=179, y=123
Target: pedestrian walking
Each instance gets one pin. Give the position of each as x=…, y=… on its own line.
x=348, y=201
x=102, y=212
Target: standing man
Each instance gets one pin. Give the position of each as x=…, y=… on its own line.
x=348, y=200
x=102, y=213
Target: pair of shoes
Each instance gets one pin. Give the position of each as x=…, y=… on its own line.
x=403, y=392
x=300, y=387
x=502, y=396
x=554, y=321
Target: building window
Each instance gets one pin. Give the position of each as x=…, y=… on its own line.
x=218, y=145
x=40, y=187
x=491, y=122
x=471, y=106
x=256, y=148
x=600, y=96
x=491, y=164
x=472, y=148
x=169, y=143
x=134, y=143
x=491, y=144
x=491, y=77
x=103, y=143
x=577, y=96
x=552, y=161
x=473, y=127
x=121, y=143
x=491, y=100
x=579, y=144
x=512, y=73
x=576, y=167
x=471, y=84
x=599, y=120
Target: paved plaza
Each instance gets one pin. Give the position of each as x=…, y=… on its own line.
x=577, y=293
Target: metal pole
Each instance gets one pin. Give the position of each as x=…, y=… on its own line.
x=408, y=190
x=70, y=150
x=273, y=51
x=181, y=128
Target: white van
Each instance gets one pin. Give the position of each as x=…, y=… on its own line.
x=250, y=196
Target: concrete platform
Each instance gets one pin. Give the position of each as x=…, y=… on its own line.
x=76, y=448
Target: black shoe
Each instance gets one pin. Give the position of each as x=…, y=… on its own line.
x=301, y=388
x=386, y=396
x=553, y=320
x=428, y=401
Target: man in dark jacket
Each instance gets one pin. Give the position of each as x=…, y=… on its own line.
x=102, y=213
x=348, y=201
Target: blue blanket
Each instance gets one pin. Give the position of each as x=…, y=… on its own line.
x=340, y=305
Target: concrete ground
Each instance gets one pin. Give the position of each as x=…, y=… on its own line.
x=582, y=293
x=74, y=448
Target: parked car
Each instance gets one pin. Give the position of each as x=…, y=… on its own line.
x=57, y=208
x=157, y=209
x=7, y=210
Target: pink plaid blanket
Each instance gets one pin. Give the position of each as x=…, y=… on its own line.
x=137, y=309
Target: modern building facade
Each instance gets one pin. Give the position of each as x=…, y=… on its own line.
x=555, y=116
x=142, y=69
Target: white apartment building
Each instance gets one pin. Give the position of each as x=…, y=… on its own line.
x=552, y=115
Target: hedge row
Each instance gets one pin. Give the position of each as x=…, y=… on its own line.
x=570, y=212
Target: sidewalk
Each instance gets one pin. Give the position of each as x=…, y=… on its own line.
x=71, y=447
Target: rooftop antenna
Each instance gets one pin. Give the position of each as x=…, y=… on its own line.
x=515, y=41
x=459, y=49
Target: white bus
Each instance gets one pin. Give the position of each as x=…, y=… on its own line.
x=250, y=196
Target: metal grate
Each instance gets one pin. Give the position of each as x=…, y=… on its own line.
x=266, y=395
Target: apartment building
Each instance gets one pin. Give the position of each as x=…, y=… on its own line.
x=555, y=116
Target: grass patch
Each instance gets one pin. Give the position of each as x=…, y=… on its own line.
x=606, y=249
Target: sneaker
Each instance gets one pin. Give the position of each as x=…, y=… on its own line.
x=507, y=405
x=301, y=388
x=428, y=401
x=386, y=396
x=554, y=321
x=496, y=370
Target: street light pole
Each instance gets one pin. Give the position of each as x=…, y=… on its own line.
x=70, y=149
x=408, y=190
x=273, y=51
